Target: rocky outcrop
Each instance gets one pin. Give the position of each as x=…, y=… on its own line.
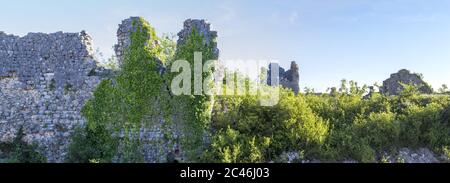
x=288, y=79
x=45, y=80
x=393, y=85
x=406, y=155
x=403, y=155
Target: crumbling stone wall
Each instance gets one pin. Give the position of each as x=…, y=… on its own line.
x=203, y=28
x=392, y=85
x=288, y=79
x=44, y=81
x=155, y=147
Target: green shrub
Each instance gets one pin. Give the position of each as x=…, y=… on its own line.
x=380, y=130
x=19, y=151
x=363, y=153
x=267, y=132
x=424, y=126
x=92, y=145
x=230, y=146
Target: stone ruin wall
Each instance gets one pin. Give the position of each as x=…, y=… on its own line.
x=393, y=85
x=287, y=79
x=154, y=148
x=45, y=79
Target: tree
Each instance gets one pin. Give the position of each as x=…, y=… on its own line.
x=443, y=89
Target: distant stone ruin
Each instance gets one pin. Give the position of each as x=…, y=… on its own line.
x=288, y=79
x=393, y=85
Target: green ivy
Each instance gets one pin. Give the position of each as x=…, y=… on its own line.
x=19, y=151
x=196, y=109
x=125, y=103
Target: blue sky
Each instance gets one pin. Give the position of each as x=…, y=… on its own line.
x=361, y=40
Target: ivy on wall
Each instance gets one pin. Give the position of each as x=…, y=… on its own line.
x=196, y=109
x=138, y=98
x=121, y=106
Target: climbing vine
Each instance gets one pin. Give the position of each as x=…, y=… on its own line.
x=125, y=104
x=196, y=108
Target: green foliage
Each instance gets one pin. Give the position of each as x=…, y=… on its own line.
x=138, y=97
x=230, y=146
x=446, y=151
x=124, y=103
x=345, y=125
x=443, y=89
x=260, y=134
x=380, y=130
x=92, y=145
x=168, y=46
x=19, y=151
x=197, y=108
x=111, y=63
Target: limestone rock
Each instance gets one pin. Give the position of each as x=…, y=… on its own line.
x=392, y=86
x=45, y=79
x=422, y=155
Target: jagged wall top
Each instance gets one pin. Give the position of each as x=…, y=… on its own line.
x=392, y=85
x=288, y=79
x=124, y=37
x=45, y=80
x=203, y=28
x=67, y=55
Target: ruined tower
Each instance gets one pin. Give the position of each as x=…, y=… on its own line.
x=288, y=79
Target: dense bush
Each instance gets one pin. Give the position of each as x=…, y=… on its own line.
x=19, y=151
x=248, y=132
x=347, y=124
x=230, y=146
x=380, y=130
x=92, y=145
